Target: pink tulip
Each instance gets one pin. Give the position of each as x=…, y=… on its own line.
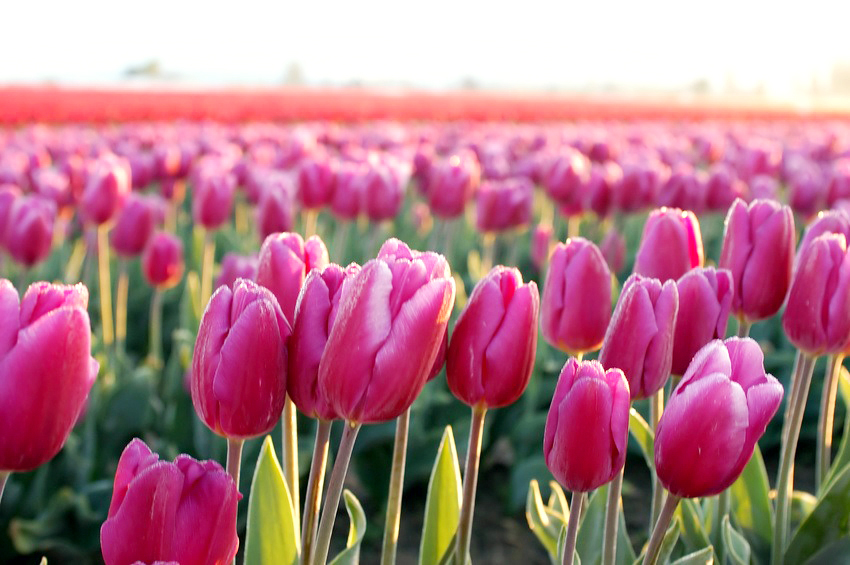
x=107, y=189
x=452, y=183
x=235, y=266
x=817, y=316
x=239, y=365
x=29, y=230
x=587, y=429
x=541, y=243
x=613, y=248
x=639, y=340
x=492, y=349
x=382, y=191
x=47, y=370
x=671, y=245
x=758, y=248
x=318, y=306
x=566, y=177
x=391, y=320
x=212, y=197
x=285, y=260
x=705, y=301
x=162, y=260
x=601, y=187
x=345, y=202
x=316, y=178
x=714, y=418
x=576, y=304
x=276, y=208
x=135, y=225
x=502, y=205
x=181, y=512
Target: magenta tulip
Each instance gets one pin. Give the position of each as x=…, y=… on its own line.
x=162, y=260
x=276, y=209
x=613, y=248
x=212, y=198
x=239, y=365
x=135, y=225
x=705, y=301
x=587, y=429
x=318, y=306
x=235, y=266
x=565, y=178
x=285, y=260
x=452, y=183
x=316, y=178
x=758, y=249
x=817, y=316
x=46, y=370
x=639, y=340
x=391, y=320
x=505, y=204
x=29, y=230
x=181, y=512
x=107, y=189
x=714, y=418
x=576, y=304
x=541, y=243
x=671, y=245
x=492, y=349
x=382, y=191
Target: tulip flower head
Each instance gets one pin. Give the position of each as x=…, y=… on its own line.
x=492, y=349
x=46, y=370
x=391, y=320
x=504, y=204
x=239, y=365
x=29, y=230
x=714, y=418
x=587, y=428
x=107, y=189
x=235, y=266
x=135, y=225
x=671, y=245
x=181, y=512
x=162, y=260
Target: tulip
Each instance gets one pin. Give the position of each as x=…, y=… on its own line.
x=345, y=202
x=829, y=221
x=601, y=185
x=671, y=245
x=639, y=340
x=212, y=198
x=183, y=512
x=162, y=260
x=705, y=301
x=541, y=243
x=235, y=266
x=47, y=371
x=613, y=248
x=452, y=183
x=285, y=260
x=566, y=177
x=382, y=191
x=758, y=249
x=683, y=189
x=316, y=178
x=712, y=422
x=502, y=205
x=239, y=364
x=29, y=230
x=576, y=304
x=107, y=189
x=9, y=193
x=276, y=208
x=135, y=225
x=492, y=349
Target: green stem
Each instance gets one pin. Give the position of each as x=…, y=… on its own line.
x=105, y=284
x=656, y=407
x=4, y=476
x=207, y=267
x=723, y=504
x=470, y=482
x=314, y=491
x=826, y=418
x=489, y=254
x=744, y=327
x=290, y=457
x=612, y=519
x=234, y=458
x=311, y=220
x=340, y=240
x=326, y=525
x=155, y=336
x=660, y=529
x=391, y=524
x=784, y=482
x=572, y=528
x=121, y=295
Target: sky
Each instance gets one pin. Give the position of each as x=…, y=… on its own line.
x=438, y=44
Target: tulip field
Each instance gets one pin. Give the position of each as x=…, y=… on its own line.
x=421, y=330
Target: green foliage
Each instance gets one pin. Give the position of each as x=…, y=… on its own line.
x=442, y=508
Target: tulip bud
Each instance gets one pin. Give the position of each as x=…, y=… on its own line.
x=541, y=243
x=502, y=205
x=315, y=314
x=758, y=249
x=391, y=320
x=162, y=260
x=316, y=178
x=566, y=177
x=9, y=193
x=285, y=259
x=135, y=225
x=714, y=418
x=48, y=370
x=345, y=202
x=107, y=189
x=830, y=221
x=576, y=297
x=452, y=182
x=235, y=266
x=671, y=245
x=613, y=248
x=705, y=300
x=181, y=512
x=29, y=231
x=212, y=197
x=639, y=340
x=492, y=349
x=276, y=207
x=587, y=429
x=817, y=316
x=239, y=365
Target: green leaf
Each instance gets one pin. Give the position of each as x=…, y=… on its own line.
x=825, y=524
x=737, y=548
x=751, y=506
x=693, y=533
x=544, y=522
x=835, y=553
x=842, y=458
x=640, y=430
x=704, y=556
x=442, y=506
x=591, y=532
x=351, y=554
x=271, y=533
